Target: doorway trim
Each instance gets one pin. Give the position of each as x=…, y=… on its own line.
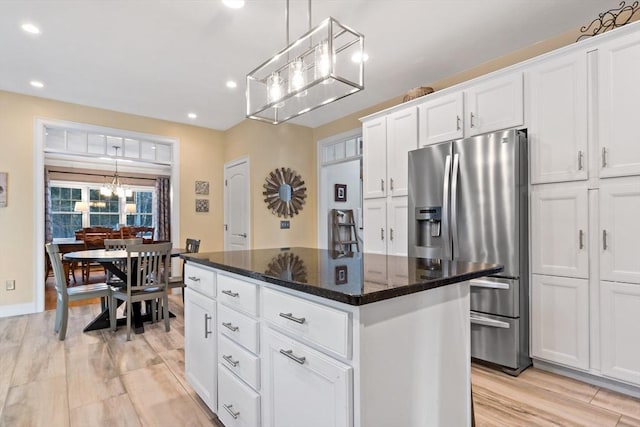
x=38, y=193
x=227, y=165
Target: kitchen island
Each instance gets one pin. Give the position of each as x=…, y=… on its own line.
x=308, y=337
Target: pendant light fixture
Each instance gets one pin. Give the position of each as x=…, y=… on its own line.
x=314, y=70
x=115, y=187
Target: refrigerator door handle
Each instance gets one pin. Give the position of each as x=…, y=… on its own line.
x=446, y=237
x=454, y=205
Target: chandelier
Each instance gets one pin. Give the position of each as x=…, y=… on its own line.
x=115, y=188
x=325, y=64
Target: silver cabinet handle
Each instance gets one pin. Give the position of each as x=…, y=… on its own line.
x=230, y=326
x=289, y=316
x=580, y=159
x=232, y=362
x=604, y=157
x=581, y=239
x=381, y=233
x=194, y=278
x=391, y=184
x=604, y=240
x=231, y=294
x=381, y=184
x=231, y=411
x=290, y=355
x=471, y=122
x=457, y=122
x=391, y=234
x=241, y=235
x=207, y=332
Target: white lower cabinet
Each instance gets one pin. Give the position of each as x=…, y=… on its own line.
x=239, y=404
x=620, y=331
x=303, y=387
x=200, y=345
x=560, y=313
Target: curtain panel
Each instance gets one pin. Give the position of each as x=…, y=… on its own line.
x=163, y=191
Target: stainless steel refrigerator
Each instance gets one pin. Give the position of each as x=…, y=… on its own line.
x=468, y=202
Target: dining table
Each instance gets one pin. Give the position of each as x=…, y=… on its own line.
x=111, y=259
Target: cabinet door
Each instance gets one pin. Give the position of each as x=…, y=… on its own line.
x=304, y=387
x=620, y=232
x=495, y=104
x=374, y=158
x=441, y=119
x=560, y=320
x=620, y=331
x=397, y=218
x=375, y=226
x=618, y=106
x=557, y=101
x=402, y=137
x=200, y=346
x=559, y=224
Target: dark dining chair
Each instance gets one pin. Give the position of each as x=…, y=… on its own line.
x=192, y=246
x=115, y=245
x=146, y=280
x=93, y=238
x=66, y=294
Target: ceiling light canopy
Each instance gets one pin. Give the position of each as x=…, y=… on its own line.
x=233, y=4
x=30, y=28
x=313, y=71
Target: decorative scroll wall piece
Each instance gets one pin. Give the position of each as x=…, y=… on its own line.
x=288, y=266
x=284, y=193
x=609, y=20
x=202, y=187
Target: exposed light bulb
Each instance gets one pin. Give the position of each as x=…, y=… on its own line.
x=275, y=88
x=323, y=60
x=297, y=78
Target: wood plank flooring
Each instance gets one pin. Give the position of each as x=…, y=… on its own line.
x=100, y=379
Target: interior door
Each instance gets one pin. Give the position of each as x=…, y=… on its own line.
x=237, y=206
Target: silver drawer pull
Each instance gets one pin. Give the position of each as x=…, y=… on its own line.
x=479, y=283
x=289, y=316
x=231, y=411
x=230, y=326
x=290, y=355
x=229, y=359
x=485, y=321
x=231, y=294
x=604, y=240
x=194, y=278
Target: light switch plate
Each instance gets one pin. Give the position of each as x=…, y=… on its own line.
x=10, y=285
x=285, y=225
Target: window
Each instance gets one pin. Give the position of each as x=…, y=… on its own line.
x=104, y=211
x=65, y=220
x=142, y=215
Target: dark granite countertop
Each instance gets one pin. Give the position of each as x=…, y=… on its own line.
x=352, y=278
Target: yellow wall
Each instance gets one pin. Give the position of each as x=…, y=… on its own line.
x=270, y=147
x=201, y=158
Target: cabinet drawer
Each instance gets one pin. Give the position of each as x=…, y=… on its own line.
x=200, y=279
x=238, y=294
x=239, y=361
x=240, y=328
x=239, y=406
x=322, y=325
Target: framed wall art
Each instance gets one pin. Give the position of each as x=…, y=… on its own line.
x=202, y=187
x=341, y=274
x=202, y=205
x=340, y=193
x=3, y=189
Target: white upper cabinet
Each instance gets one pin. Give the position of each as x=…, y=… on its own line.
x=494, y=104
x=441, y=119
x=556, y=94
x=374, y=149
x=618, y=106
x=620, y=232
x=402, y=137
x=559, y=231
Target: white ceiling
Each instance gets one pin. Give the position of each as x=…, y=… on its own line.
x=165, y=58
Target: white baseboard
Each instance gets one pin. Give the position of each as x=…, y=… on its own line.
x=589, y=378
x=17, y=309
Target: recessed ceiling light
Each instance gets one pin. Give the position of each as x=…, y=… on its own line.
x=192, y=115
x=30, y=28
x=231, y=84
x=358, y=57
x=36, y=83
x=233, y=4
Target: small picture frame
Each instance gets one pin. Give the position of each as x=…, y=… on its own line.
x=342, y=274
x=3, y=189
x=340, y=193
x=202, y=188
x=202, y=205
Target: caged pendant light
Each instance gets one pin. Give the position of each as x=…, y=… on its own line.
x=313, y=71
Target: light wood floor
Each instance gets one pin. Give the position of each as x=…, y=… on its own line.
x=99, y=379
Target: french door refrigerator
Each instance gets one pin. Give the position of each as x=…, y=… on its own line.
x=468, y=202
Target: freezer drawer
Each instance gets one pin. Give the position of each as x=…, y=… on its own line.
x=496, y=296
x=495, y=339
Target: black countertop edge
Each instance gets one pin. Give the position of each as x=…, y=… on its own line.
x=348, y=298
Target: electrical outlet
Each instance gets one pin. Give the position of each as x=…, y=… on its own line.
x=10, y=285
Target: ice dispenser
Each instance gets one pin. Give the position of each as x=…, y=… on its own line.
x=428, y=225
